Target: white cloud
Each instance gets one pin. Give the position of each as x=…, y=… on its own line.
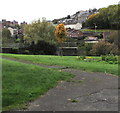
x=29, y=10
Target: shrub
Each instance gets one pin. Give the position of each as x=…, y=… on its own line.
x=88, y=47
x=103, y=57
x=110, y=59
x=43, y=48
x=101, y=48
x=114, y=49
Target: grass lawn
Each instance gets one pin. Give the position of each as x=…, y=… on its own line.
x=24, y=82
x=98, y=30
x=70, y=61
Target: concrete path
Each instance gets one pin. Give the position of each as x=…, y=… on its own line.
x=87, y=91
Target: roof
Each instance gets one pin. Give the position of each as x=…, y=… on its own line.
x=74, y=33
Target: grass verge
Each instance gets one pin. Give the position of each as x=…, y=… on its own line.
x=24, y=82
x=69, y=61
x=98, y=30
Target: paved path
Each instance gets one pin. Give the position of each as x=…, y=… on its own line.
x=87, y=91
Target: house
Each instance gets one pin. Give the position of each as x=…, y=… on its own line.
x=15, y=22
x=74, y=26
x=13, y=31
x=23, y=23
x=74, y=21
x=7, y=24
x=82, y=16
x=73, y=33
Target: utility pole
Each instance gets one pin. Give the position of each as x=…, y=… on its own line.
x=95, y=27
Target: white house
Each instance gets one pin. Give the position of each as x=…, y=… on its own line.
x=13, y=31
x=76, y=26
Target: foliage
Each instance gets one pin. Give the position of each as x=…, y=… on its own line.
x=6, y=33
x=60, y=33
x=107, y=18
x=110, y=59
x=101, y=48
x=81, y=48
x=113, y=37
x=38, y=30
x=7, y=40
x=92, y=16
x=42, y=47
x=98, y=30
x=88, y=47
x=108, y=45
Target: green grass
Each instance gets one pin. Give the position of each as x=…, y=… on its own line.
x=98, y=30
x=24, y=82
x=69, y=61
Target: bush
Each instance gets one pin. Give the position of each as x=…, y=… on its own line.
x=101, y=48
x=103, y=57
x=42, y=48
x=114, y=49
x=88, y=47
x=110, y=59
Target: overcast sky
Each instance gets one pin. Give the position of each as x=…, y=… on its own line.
x=29, y=10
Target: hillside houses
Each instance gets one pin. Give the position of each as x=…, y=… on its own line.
x=76, y=26
x=74, y=21
x=81, y=16
x=13, y=27
x=7, y=24
x=78, y=35
x=75, y=38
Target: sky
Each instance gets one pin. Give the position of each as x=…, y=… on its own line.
x=30, y=10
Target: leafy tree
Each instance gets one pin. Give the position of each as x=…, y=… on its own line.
x=91, y=16
x=113, y=38
x=38, y=30
x=6, y=33
x=42, y=47
x=60, y=35
x=106, y=18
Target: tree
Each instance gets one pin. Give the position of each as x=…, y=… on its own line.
x=6, y=33
x=39, y=36
x=60, y=35
x=106, y=18
x=101, y=48
x=38, y=30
